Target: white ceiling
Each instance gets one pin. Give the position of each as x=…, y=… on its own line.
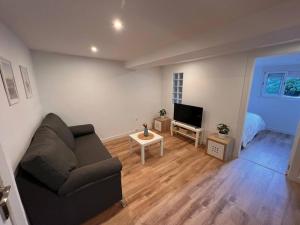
x=288, y=59
x=274, y=26
x=72, y=26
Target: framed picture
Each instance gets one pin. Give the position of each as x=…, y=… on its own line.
x=26, y=81
x=9, y=82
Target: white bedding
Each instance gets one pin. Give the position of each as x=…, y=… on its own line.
x=253, y=124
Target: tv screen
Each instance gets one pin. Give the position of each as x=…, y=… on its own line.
x=188, y=114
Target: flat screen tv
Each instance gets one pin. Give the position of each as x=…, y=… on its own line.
x=188, y=114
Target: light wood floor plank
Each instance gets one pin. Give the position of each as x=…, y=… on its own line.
x=186, y=186
x=270, y=149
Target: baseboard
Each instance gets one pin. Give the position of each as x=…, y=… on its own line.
x=295, y=179
x=122, y=135
x=279, y=131
x=111, y=138
x=116, y=136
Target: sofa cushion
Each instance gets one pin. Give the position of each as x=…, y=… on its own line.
x=87, y=175
x=55, y=123
x=89, y=149
x=49, y=159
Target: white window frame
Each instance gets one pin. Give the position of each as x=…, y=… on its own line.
x=286, y=75
x=264, y=93
x=177, y=99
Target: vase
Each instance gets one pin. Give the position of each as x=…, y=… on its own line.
x=222, y=136
x=162, y=117
x=146, y=133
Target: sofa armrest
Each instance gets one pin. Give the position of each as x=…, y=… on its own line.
x=89, y=174
x=81, y=130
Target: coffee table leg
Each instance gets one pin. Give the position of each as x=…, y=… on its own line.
x=130, y=143
x=197, y=139
x=161, y=147
x=143, y=154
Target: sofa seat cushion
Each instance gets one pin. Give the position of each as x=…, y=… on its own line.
x=89, y=149
x=49, y=159
x=56, y=124
x=89, y=174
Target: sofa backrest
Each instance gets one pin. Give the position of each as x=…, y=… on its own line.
x=55, y=123
x=49, y=159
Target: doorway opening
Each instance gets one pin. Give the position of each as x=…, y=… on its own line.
x=273, y=112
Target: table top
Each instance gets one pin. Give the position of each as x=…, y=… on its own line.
x=216, y=138
x=156, y=138
x=162, y=119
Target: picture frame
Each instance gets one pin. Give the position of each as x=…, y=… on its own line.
x=26, y=81
x=8, y=80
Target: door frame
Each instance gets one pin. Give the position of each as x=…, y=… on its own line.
x=15, y=206
x=294, y=162
x=285, y=48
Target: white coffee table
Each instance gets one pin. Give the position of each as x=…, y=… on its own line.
x=143, y=143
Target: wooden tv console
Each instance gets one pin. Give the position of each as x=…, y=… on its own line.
x=187, y=131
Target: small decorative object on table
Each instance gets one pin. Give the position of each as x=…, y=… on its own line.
x=223, y=130
x=162, y=113
x=146, y=133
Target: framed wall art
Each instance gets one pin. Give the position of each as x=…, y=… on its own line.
x=9, y=82
x=26, y=81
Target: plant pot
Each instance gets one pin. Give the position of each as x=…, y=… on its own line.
x=162, y=117
x=223, y=136
x=146, y=132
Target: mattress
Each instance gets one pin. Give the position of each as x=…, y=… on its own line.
x=254, y=123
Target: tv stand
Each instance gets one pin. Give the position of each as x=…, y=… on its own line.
x=189, y=131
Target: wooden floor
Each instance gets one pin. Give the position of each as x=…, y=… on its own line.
x=185, y=186
x=270, y=149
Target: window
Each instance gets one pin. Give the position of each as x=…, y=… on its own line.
x=282, y=84
x=273, y=83
x=177, y=87
x=292, y=86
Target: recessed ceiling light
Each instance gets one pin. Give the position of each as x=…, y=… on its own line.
x=94, y=49
x=118, y=25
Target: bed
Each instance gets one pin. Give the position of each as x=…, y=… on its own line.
x=253, y=124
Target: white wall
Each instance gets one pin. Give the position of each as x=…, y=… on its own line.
x=102, y=92
x=215, y=84
x=281, y=114
x=19, y=121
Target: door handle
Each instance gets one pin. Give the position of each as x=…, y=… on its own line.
x=4, y=193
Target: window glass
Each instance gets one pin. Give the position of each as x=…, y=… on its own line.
x=177, y=87
x=292, y=86
x=273, y=83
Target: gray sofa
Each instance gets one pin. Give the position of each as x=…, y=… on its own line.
x=67, y=176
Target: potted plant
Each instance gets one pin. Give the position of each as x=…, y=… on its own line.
x=223, y=130
x=162, y=113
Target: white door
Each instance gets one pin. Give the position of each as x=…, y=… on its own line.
x=3, y=219
x=294, y=165
x=15, y=209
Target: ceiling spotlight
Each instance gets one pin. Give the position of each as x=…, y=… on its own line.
x=118, y=25
x=94, y=49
